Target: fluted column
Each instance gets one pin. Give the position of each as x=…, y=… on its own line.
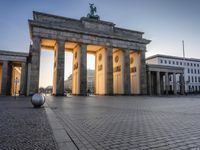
x=127, y=72
x=59, y=68
x=166, y=83
x=109, y=71
x=158, y=82
x=35, y=66
x=174, y=83
x=83, y=69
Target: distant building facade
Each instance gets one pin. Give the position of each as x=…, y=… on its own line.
x=191, y=67
x=90, y=81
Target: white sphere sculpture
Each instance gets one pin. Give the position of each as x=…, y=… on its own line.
x=38, y=100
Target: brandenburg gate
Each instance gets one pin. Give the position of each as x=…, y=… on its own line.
x=119, y=54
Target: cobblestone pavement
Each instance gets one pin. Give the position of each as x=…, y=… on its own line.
x=130, y=122
x=22, y=127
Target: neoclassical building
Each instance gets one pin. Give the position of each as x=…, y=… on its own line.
x=13, y=73
x=119, y=54
x=119, y=57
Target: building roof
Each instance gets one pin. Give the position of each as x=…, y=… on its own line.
x=172, y=57
x=13, y=53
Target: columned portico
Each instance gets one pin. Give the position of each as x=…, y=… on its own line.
x=158, y=78
x=112, y=47
x=13, y=73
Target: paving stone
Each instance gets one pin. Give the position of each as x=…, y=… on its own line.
x=130, y=122
x=22, y=127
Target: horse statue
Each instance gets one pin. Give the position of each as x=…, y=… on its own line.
x=93, y=10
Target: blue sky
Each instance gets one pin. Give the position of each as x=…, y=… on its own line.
x=165, y=22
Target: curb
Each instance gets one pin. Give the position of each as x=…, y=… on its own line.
x=60, y=135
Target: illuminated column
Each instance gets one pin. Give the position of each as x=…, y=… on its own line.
x=127, y=72
x=4, y=78
x=109, y=71
x=101, y=69
x=118, y=72
x=35, y=66
x=79, y=74
x=158, y=82
x=59, y=61
x=166, y=83
x=23, y=79
x=174, y=83
x=83, y=69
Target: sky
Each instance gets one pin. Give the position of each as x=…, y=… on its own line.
x=165, y=22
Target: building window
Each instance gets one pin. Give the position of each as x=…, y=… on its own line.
x=195, y=71
x=165, y=62
x=197, y=65
x=199, y=79
x=169, y=62
x=187, y=64
x=161, y=61
x=188, y=78
x=191, y=64
x=177, y=63
x=191, y=70
x=184, y=64
x=188, y=70
x=192, y=79
x=180, y=63
x=173, y=62
x=195, y=79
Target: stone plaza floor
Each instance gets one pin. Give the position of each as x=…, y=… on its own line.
x=124, y=122
x=98, y=123
x=22, y=127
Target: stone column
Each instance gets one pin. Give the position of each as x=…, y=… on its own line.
x=158, y=82
x=109, y=71
x=143, y=81
x=166, y=83
x=9, y=78
x=35, y=66
x=59, y=68
x=149, y=83
x=4, y=78
x=23, y=78
x=161, y=84
x=174, y=83
x=83, y=69
x=127, y=72
x=182, y=84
